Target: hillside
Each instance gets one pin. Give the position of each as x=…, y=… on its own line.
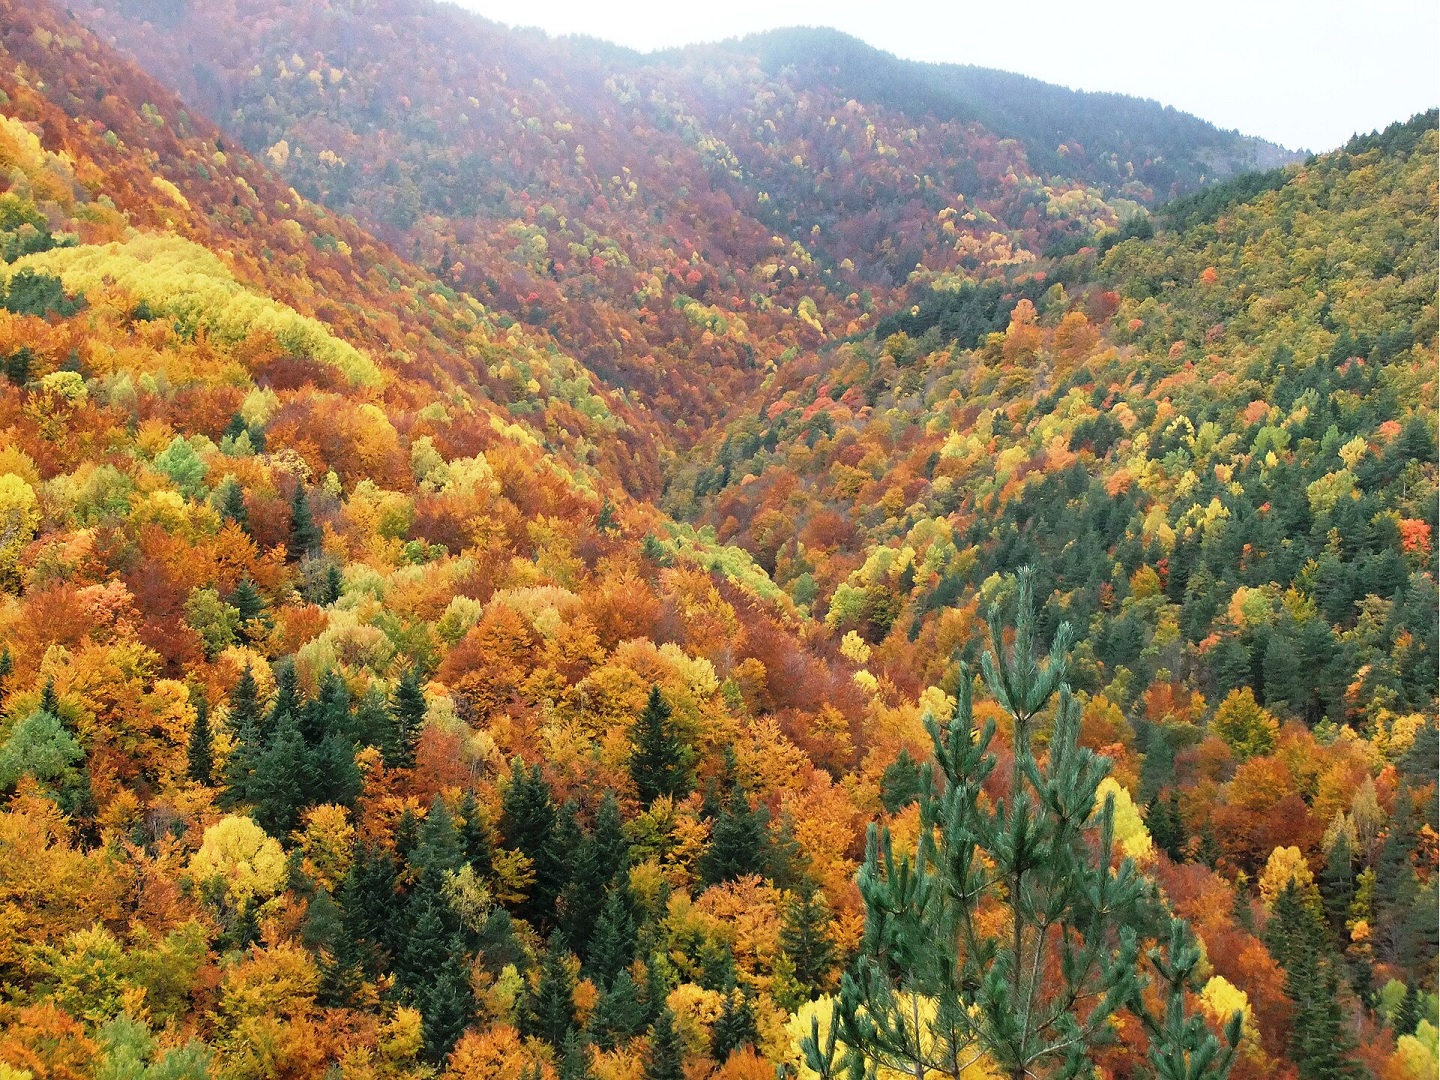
x=403, y=675
x=680, y=222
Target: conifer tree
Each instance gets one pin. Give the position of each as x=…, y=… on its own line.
x=371, y=905
x=7, y=668
x=529, y=821
x=804, y=940
x=900, y=784
x=619, y=1014
x=1337, y=883
x=1407, y=1013
x=1167, y=828
x=407, y=708
x=304, y=535
x=446, y=1002
x=1321, y=1043
x=737, y=841
x=49, y=699
x=657, y=762
x=664, y=1052
x=244, y=723
x=199, y=751
x=1037, y=996
x=574, y=1058
x=612, y=944
x=334, y=584
x=287, y=697
x=475, y=839
x=232, y=503
x=549, y=1011
x=253, y=608
x=735, y=1027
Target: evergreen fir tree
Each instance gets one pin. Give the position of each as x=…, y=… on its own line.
x=287, y=697
x=574, y=1058
x=337, y=953
x=475, y=839
x=334, y=585
x=612, y=944
x=199, y=751
x=7, y=668
x=281, y=783
x=1037, y=996
x=657, y=762
x=1321, y=1042
x=438, y=847
x=1337, y=883
x=1167, y=828
x=900, y=784
x=528, y=823
x=664, y=1052
x=737, y=841
x=619, y=1014
x=304, y=535
x=232, y=503
x=1407, y=1013
x=370, y=904
x=446, y=1003
x=254, y=611
x=245, y=727
x=734, y=1028
x=805, y=941
x=549, y=1010
x=50, y=700
x=407, y=708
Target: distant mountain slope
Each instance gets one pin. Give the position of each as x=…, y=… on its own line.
x=681, y=221
x=1109, y=139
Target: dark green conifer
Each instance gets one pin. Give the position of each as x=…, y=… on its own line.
x=232, y=503
x=664, y=1052
x=407, y=708
x=658, y=760
x=1407, y=1013
x=253, y=608
x=574, y=1058
x=737, y=841
x=612, y=943
x=199, y=751
x=1166, y=826
x=619, y=1014
x=334, y=584
x=900, y=784
x=282, y=781
x=1041, y=856
x=1337, y=883
x=805, y=938
x=549, y=1009
x=529, y=821
x=446, y=1003
x=50, y=700
x=371, y=905
x=304, y=535
x=735, y=1027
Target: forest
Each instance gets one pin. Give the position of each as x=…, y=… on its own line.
x=520, y=561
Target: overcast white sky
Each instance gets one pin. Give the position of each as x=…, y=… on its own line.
x=1305, y=73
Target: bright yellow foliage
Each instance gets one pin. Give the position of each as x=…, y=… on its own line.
x=237, y=855
x=1131, y=834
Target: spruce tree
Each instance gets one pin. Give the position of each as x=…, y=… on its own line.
x=1166, y=826
x=612, y=943
x=446, y=1002
x=372, y=907
x=1337, y=883
x=1407, y=1013
x=900, y=784
x=334, y=585
x=407, y=708
x=658, y=760
x=664, y=1052
x=282, y=782
x=734, y=1028
x=304, y=535
x=244, y=721
x=574, y=1058
x=199, y=751
x=1038, y=995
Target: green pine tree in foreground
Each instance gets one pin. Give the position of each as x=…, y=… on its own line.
x=933, y=990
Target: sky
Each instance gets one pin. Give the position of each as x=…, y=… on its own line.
x=1304, y=73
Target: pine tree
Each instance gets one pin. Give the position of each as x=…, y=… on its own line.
x=658, y=760
x=245, y=727
x=1038, y=995
x=304, y=535
x=334, y=584
x=407, y=708
x=199, y=752
x=619, y=1014
x=900, y=784
x=664, y=1052
x=1337, y=883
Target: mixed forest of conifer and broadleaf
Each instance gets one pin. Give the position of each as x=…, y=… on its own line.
x=521, y=561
